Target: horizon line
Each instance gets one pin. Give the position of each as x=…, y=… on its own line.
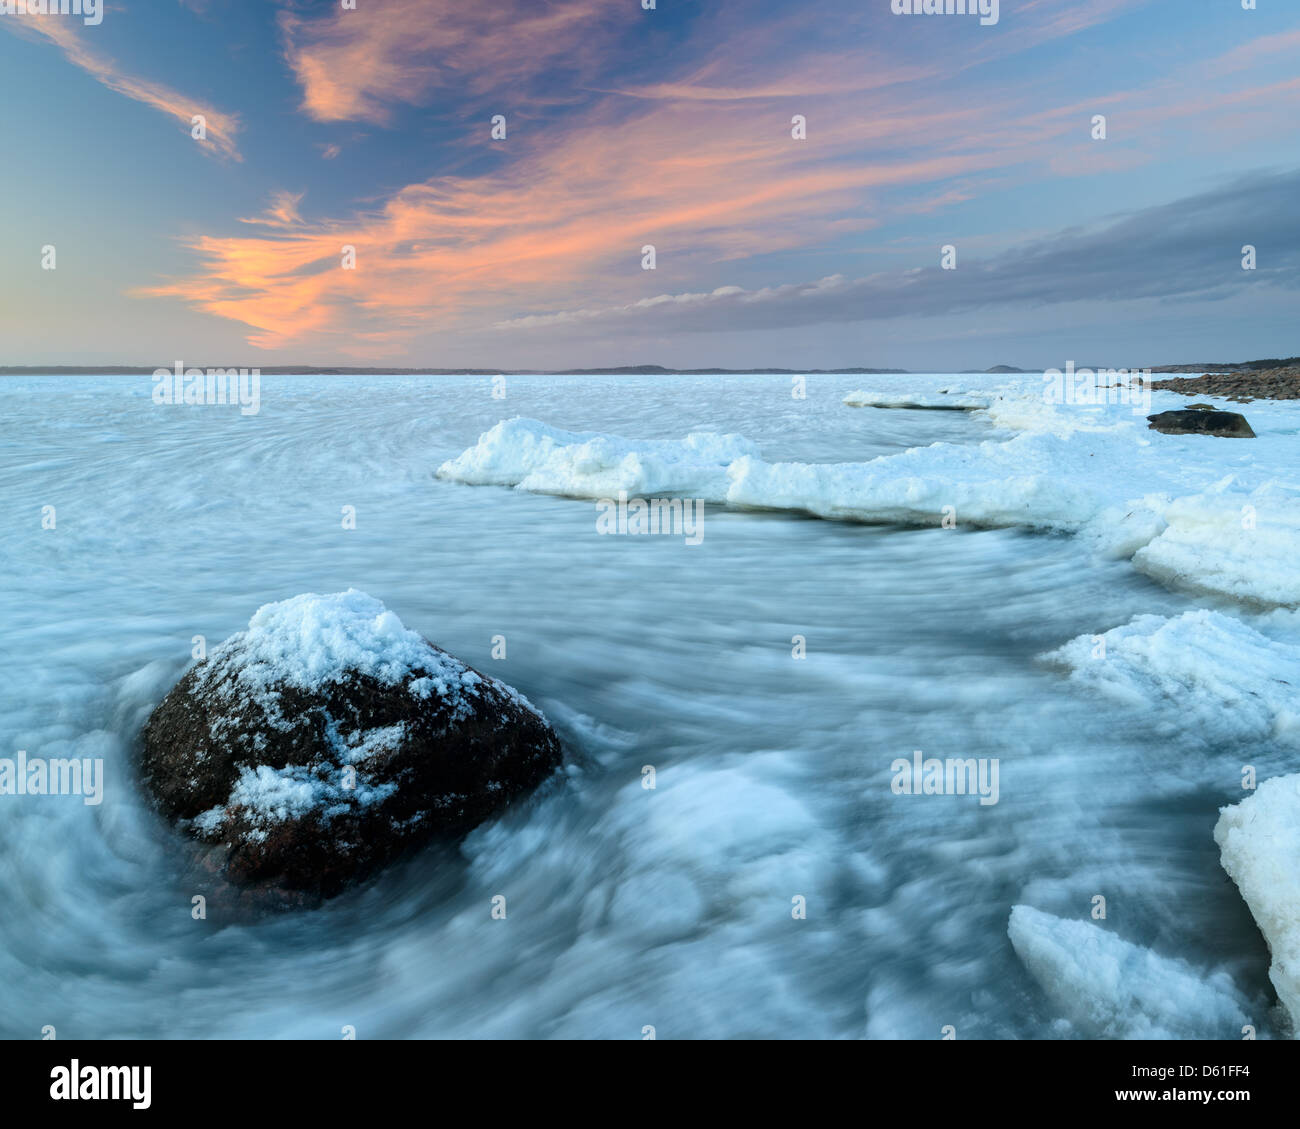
x=613, y=370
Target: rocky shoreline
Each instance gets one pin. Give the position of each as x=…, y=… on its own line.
x=1266, y=384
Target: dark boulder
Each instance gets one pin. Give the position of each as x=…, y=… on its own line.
x=327, y=739
x=1198, y=421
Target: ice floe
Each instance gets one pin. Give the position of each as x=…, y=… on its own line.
x=1223, y=678
x=1259, y=844
x=547, y=460
x=1111, y=988
x=943, y=400
x=1232, y=542
x=1191, y=511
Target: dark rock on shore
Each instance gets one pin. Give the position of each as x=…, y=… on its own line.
x=327, y=739
x=1241, y=386
x=1198, y=421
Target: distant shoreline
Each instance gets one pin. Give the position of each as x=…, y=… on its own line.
x=314, y=370
x=623, y=370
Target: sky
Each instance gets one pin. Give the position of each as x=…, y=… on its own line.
x=677, y=127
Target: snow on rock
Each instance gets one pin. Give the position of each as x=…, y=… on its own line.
x=546, y=460
x=1113, y=989
x=312, y=640
x=1224, y=679
x=328, y=737
x=1259, y=846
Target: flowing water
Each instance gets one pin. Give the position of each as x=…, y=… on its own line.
x=627, y=906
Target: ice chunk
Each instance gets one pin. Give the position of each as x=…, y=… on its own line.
x=1259, y=846
x=1089, y=469
x=546, y=460
x=993, y=484
x=1225, y=540
x=960, y=401
x=1227, y=680
x=1111, y=988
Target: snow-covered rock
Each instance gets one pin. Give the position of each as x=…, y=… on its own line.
x=328, y=737
x=1259, y=846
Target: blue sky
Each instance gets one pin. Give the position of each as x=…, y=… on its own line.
x=371, y=127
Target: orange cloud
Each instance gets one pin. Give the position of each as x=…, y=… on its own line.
x=702, y=167
x=703, y=182
x=282, y=212
x=355, y=63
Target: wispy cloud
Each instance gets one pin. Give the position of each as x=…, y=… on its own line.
x=355, y=64
x=1266, y=48
x=358, y=64
x=703, y=184
x=282, y=212
x=700, y=163
x=1186, y=249
x=221, y=127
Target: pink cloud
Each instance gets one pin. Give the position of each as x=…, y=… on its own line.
x=354, y=64
x=702, y=165
x=705, y=183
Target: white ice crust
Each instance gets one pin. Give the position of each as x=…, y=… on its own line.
x=1259, y=846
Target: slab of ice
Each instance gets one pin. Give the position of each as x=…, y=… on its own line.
x=1033, y=414
x=943, y=400
x=547, y=460
x=1259, y=846
x=1111, y=988
x=1226, y=680
x=1192, y=511
x=993, y=483
x=1229, y=541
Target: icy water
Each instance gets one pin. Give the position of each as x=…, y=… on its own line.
x=627, y=907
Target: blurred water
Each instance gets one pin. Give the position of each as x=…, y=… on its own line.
x=627, y=907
